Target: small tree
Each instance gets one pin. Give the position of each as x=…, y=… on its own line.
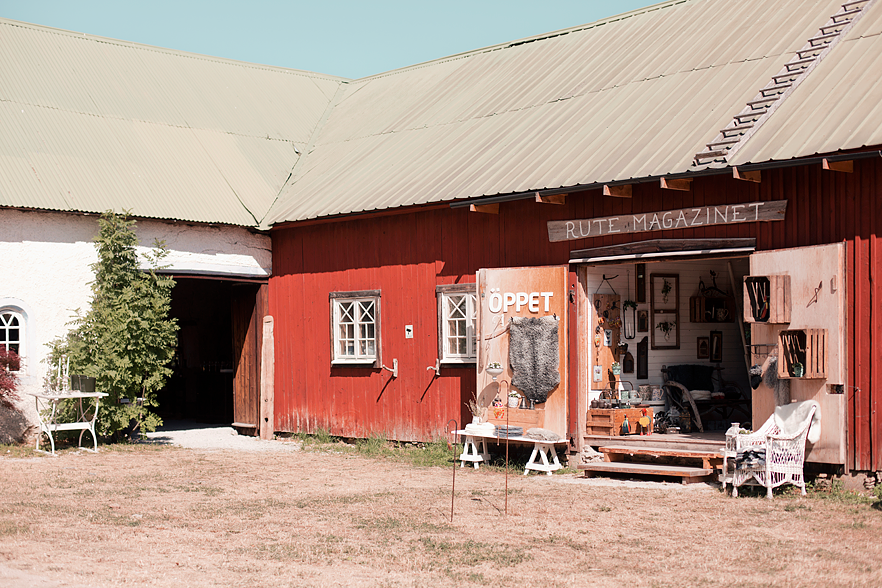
x=126, y=339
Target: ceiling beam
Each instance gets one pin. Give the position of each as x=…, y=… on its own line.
x=485, y=208
x=620, y=191
x=551, y=198
x=684, y=184
x=846, y=166
x=747, y=176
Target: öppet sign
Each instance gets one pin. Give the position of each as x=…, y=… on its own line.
x=683, y=218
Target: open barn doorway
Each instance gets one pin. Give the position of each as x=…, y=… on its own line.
x=216, y=368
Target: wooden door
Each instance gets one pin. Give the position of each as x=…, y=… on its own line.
x=521, y=292
x=248, y=309
x=816, y=300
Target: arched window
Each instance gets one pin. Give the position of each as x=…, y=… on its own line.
x=12, y=330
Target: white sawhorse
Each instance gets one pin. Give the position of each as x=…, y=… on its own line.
x=474, y=451
x=541, y=450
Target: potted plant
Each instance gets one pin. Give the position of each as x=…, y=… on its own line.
x=666, y=327
x=494, y=368
x=616, y=368
x=797, y=369
x=513, y=399
x=666, y=289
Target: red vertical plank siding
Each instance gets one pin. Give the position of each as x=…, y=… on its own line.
x=406, y=255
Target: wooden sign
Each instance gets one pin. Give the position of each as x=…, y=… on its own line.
x=683, y=218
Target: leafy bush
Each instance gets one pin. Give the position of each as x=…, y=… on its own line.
x=9, y=364
x=126, y=339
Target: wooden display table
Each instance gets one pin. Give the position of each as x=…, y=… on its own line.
x=609, y=421
x=47, y=410
x=476, y=450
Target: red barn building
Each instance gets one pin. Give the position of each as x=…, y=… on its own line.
x=685, y=146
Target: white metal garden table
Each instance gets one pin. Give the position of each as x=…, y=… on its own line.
x=86, y=415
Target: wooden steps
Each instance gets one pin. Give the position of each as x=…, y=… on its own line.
x=686, y=474
x=682, y=442
x=616, y=453
x=631, y=455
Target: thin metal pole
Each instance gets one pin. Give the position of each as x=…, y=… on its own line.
x=507, y=411
x=453, y=484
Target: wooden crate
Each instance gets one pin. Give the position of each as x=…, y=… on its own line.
x=806, y=346
x=608, y=421
x=518, y=417
x=776, y=289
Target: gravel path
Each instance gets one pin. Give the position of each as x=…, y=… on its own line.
x=194, y=435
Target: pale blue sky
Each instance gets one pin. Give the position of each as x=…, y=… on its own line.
x=347, y=38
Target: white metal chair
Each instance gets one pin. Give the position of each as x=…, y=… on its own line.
x=775, y=454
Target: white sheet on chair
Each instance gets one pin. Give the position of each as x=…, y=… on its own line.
x=791, y=417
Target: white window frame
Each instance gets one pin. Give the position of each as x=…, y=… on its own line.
x=339, y=300
x=444, y=293
x=22, y=333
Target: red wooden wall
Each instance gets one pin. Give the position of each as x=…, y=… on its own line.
x=406, y=255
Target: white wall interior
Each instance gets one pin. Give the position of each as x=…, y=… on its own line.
x=689, y=272
x=48, y=258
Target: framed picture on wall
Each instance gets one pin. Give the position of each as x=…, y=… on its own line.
x=664, y=311
x=642, y=321
x=716, y=346
x=702, y=347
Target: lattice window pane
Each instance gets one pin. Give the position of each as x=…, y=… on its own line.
x=459, y=326
x=356, y=329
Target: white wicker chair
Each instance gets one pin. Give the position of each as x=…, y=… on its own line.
x=784, y=456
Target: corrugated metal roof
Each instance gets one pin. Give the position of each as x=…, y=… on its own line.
x=91, y=124
x=627, y=97
x=842, y=98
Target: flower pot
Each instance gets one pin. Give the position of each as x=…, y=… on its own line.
x=798, y=370
x=513, y=401
x=616, y=370
x=476, y=420
x=494, y=372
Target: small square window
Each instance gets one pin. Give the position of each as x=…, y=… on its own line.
x=356, y=327
x=456, y=323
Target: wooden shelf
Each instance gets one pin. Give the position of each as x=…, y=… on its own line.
x=802, y=346
x=608, y=421
x=703, y=309
x=767, y=299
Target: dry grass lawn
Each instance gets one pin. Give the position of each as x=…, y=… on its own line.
x=168, y=517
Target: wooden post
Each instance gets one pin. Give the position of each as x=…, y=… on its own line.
x=267, y=381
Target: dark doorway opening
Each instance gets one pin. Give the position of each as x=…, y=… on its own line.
x=201, y=387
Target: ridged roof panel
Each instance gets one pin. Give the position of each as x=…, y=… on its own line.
x=92, y=124
x=842, y=98
x=629, y=97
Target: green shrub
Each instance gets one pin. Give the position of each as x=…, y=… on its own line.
x=126, y=339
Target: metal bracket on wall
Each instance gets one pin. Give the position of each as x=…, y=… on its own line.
x=393, y=369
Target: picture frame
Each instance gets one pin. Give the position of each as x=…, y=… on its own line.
x=716, y=346
x=702, y=346
x=642, y=321
x=664, y=313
